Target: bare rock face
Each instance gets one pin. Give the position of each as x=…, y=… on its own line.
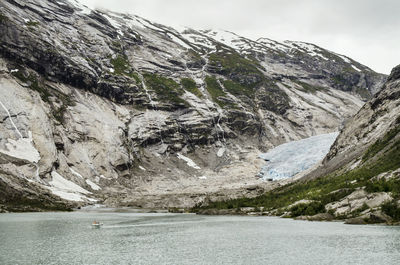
x=357, y=200
x=100, y=107
x=377, y=120
x=371, y=218
x=366, y=157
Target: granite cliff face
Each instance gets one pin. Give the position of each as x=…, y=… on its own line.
x=115, y=109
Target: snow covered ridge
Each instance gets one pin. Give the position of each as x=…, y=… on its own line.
x=262, y=45
x=77, y=4
x=210, y=38
x=286, y=160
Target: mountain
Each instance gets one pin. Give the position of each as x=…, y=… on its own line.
x=101, y=107
x=359, y=179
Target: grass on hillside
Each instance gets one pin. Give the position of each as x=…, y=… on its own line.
x=167, y=89
x=215, y=90
x=237, y=89
x=33, y=83
x=305, y=87
x=190, y=85
x=234, y=66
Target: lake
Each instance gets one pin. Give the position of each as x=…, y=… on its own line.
x=139, y=238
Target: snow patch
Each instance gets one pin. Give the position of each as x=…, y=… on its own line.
x=66, y=189
x=67, y=195
x=103, y=177
x=75, y=173
x=142, y=23
x=142, y=168
x=355, y=68
x=198, y=40
x=228, y=38
x=274, y=45
x=221, y=152
x=22, y=149
x=188, y=161
x=63, y=184
x=286, y=160
x=344, y=58
x=309, y=48
x=112, y=21
x=93, y=185
x=83, y=9
x=179, y=41
x=203, y=177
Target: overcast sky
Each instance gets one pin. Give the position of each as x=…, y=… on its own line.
x=365, y=30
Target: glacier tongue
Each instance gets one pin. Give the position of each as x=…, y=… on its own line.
x=286, y=160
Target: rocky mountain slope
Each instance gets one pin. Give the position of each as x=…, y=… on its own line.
x=112, y=108
x=359, y=179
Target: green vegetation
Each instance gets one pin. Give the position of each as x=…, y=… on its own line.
x=325, y=189
x=237, y=89
x=117, y=45
x=25, y=204
x=15, y=201
x=59, y=113
x=383, y=185
x=3, y=18
x=120, y=65
x=338, y=79
x=232, y=62
x=357, y=212
x=31, y=23
x=239, y=69
x=380, y=144
x=392, y=209
x=309, y=88
x=243, y=77
x=215, y=90
x=190, y=85
x=33, y=84
x=274, y=99
x=363, y=92
x=195, y=58
x=166, y=88
x=312, y=208
x=45, y=94
x=135, y=76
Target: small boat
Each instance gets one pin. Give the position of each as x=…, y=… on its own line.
x=96, y=224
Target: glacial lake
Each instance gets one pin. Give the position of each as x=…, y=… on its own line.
x=137, y=238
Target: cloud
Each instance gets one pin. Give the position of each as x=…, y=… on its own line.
x=366, y=30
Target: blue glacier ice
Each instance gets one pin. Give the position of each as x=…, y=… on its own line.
x=286, y=160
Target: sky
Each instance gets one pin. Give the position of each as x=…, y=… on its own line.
x=368, y=31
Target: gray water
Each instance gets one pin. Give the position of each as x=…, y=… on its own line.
x=133, y=238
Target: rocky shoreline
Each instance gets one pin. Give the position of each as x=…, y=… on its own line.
x=370, y=218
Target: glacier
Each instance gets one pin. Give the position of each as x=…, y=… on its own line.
x=286, y=160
